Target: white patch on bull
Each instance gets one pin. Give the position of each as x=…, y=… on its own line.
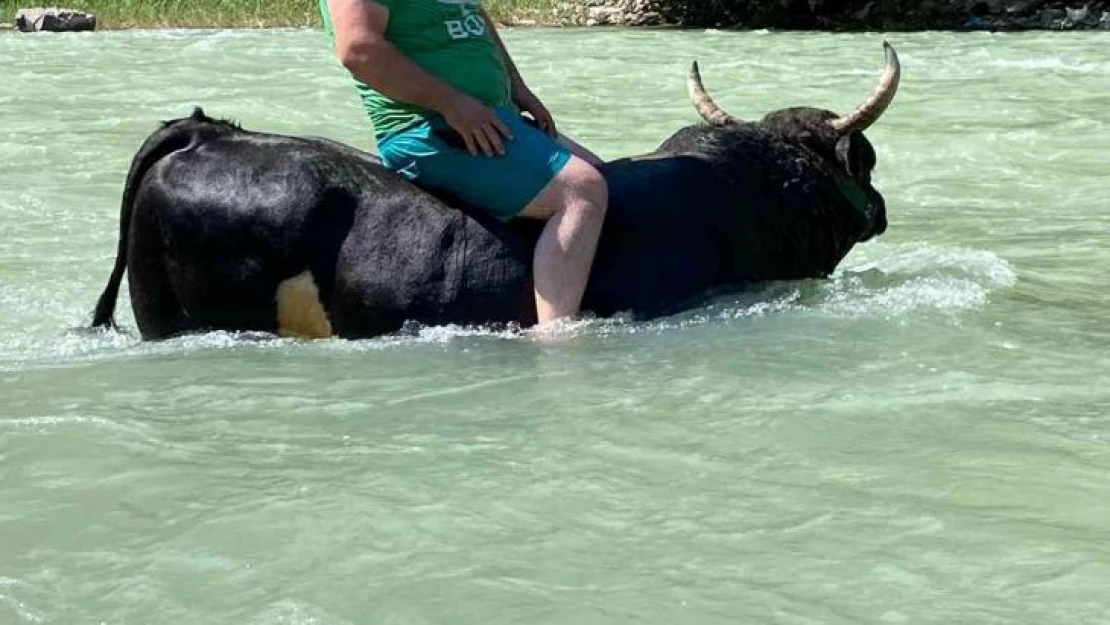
x=299, y=311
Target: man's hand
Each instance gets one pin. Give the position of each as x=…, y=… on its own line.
x=529, y=103
x=480, y=127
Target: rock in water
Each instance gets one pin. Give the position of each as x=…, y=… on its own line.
x=54, y=19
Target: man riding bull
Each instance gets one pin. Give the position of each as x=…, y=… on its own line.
x=427, y=67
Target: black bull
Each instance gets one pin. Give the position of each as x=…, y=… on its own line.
x=227, y=229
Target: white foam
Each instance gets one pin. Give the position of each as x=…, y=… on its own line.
x=38, y=424
x=876, y=281
x=46, y=421
x=1052, y=63
x=897, y=280
x=923, y=259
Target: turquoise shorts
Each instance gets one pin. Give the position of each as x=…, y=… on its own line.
x=433, y=156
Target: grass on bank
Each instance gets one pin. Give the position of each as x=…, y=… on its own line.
x=112, y=14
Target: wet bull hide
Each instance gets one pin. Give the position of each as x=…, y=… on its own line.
x=227, y=229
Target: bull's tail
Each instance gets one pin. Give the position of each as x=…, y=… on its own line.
x=173, y=136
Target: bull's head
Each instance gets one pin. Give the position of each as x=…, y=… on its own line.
x=836, y=138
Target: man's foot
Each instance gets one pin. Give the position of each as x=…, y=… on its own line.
x=556, y=332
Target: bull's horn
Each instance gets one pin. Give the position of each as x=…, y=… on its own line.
x=870, y=111
x=705, y=105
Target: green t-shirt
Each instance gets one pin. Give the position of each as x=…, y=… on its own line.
x=448, y=39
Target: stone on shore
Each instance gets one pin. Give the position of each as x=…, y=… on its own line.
x=53, y=19
x=609, y=13
x=837, y=15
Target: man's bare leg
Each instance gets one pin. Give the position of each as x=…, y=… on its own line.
x=573, y=204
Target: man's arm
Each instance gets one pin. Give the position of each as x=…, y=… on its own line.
x=514, y=73
x=522, y=95
x=528, y=101
x=362, y=48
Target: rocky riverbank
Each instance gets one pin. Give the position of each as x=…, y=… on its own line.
x=841, y=15
x=827, y=15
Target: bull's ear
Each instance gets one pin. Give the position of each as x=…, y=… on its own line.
x=849, y=153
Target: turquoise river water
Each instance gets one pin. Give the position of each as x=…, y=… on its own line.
x=922, y=438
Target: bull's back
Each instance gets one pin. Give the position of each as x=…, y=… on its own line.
x=278, y=234
x=661, y=245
